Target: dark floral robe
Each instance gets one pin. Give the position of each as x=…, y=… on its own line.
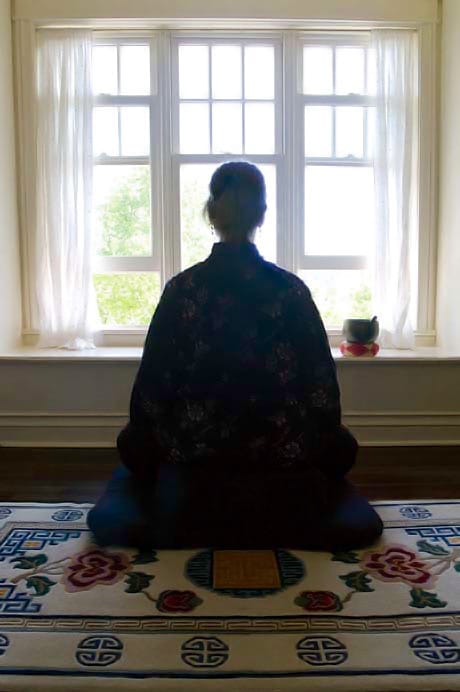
x=236, y=365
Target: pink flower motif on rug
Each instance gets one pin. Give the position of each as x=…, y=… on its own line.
x=94, y=566
x=177, y=601
x=398, y=563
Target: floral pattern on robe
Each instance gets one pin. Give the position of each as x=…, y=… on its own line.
x=236, y=363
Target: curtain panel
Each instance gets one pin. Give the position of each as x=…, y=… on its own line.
x=56, y=179
x=395, y=176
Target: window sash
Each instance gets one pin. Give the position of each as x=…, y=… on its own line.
x=177, y=159
x=360, y=39
x=152, y=261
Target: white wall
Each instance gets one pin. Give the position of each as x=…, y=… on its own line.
x=393, y=10
x=82, y=400
x=10, y=299
x=448, y=309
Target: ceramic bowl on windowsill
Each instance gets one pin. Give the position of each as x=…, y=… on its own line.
x=360, y=336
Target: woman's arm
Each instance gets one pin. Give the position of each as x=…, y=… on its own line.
x=333, y=449
x=317, y=383
x=153, y=392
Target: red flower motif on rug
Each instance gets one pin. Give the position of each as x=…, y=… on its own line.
x=398, y=563
x=319, y=601
x=177, y=601
x=92, y=567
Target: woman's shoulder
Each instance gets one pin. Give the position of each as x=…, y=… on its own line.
x=185, y=279
x=291, y=283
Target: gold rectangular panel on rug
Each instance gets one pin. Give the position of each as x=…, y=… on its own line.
x=245, y=569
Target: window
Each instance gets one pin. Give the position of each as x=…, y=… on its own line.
x=127, y=272
x=170, y=107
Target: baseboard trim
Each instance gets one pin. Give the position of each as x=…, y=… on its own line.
x=372, y=429
x=398, y=428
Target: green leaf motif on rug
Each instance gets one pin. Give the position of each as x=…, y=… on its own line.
x=145, y=558
x=359, y=581
x=138, y=581
x=30, y=561
x=432, y=548
x=42, y=585
x=425, y=599
x=347, y=556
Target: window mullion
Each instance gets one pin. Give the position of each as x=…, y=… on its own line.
x=155, y=160
x=169, y=100
x=120, y=100
x=290, y=204
x=210, y=101
x=333, y=262
x=221, y=158
x=365, y=119
x=243, y=107
x=334, y=110
x=105, y=160
x=123, y=264
x=337, y=161
x=119, y=89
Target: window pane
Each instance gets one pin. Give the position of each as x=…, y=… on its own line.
x=259, y=72
x=127, y=299
x=196, y=236
x=371, y=72
x=318, y=131
x=259, y=128
x=227, y=128
x=339, y=210
x=226, y=72
x=349, y=70
x=135, y=131
x=349, y=125
x=105, y=131
x=105, y=80
x=370, y=133
x=266, y=236
x=317, y=70
x=135, y=70
x=121, y=209
x=340, y=294
x=194, y=128
x=193, y=72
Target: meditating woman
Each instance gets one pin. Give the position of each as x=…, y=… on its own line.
x=235, y=435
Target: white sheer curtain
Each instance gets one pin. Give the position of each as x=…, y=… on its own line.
x=395, y=151
x=62, y=258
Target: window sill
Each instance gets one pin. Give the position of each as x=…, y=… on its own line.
x=100, y=354
x=128, y=354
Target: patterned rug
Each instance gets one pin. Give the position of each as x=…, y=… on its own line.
x=75, y=617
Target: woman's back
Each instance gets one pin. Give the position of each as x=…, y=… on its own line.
x=236, y=357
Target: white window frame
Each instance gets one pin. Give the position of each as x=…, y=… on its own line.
x=289, y=159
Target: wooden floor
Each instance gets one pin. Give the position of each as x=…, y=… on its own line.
x=79, y=475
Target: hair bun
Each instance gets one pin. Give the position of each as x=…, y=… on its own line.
x=237, y=200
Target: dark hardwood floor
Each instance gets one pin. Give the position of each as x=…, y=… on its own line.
x=79, y=475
